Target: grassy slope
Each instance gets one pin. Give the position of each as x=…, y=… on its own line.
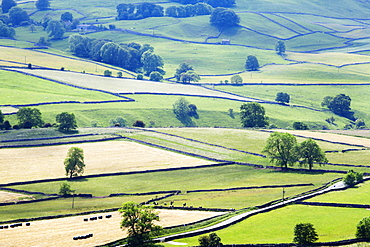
x=280, y=228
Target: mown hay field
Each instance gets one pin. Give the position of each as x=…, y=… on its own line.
x=23, y=164
x=10, y=197
x=60, y=232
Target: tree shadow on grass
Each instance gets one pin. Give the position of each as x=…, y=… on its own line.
x=297, y=171
x=69, y=132
x=77, y=179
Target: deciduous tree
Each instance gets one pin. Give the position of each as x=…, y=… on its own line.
x=42, y=4
x=155, y=76
x=340, y=105
x=181, y=110
x=223, y=17
x=6, y=5
x=236, y=79
x=67, y=121
x=212, y=240
x=300, y=126
x=251, y=64
x=139, y=221
x=152, y=62
x=1, y=117
x=18, y=15
x=305, y=234
x=253, y=115
x=74, y=164
x=282, y=97
x=352, y=178
x=55, y=29
x=310, y=152
x=65, y=189
x=5, y=31
x=281, y=149
x=29, y=117
x=363, y=228
x=280, y=47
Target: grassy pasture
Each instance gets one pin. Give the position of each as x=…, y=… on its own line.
x=332, y=58
x=175, y=52
x=357, y=195
x=35, y=90
x=237, y=199
x=310, y=96
x=206, y=178
x=278, y=226
x=63, y=206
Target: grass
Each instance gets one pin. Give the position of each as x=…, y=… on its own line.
x=278, y=226
x=237, y=199
x=63, y=206
x=35, y=90
x=357, y=195
x=183, y=180
x=310, y=96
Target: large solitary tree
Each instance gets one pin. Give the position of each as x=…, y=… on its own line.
x=253, y=115
x=363, y=228
x=74, y=164
x=138, y=220
x=67, y=121
x=223, y=17
x=29, y=117
x=340, y=105
x=305, y=234
x=251, y=64
x=181, y=110
x=280, y=47
x=310, y=152
x=282, y=97
x=185, y=73
x=281, y=149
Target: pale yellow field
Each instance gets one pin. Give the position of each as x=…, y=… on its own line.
x=330, y=137
x=10, y=197
x=60, y=232
x=51, y=61
x=329, y=58
x=24, y=164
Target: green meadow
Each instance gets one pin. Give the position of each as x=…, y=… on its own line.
x=64, y=206
x=278, y=226
x=326, y=44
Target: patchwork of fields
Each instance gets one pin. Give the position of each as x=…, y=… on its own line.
x=199, y=171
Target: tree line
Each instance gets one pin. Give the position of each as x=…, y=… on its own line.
x=213, y=3
x=130, y=56
x=31, y=118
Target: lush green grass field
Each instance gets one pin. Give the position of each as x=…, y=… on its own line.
x=357, y=195
x=183, y=180
x=64, y=206
x=34, y=90
x=310, y=96
x=278, y=226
